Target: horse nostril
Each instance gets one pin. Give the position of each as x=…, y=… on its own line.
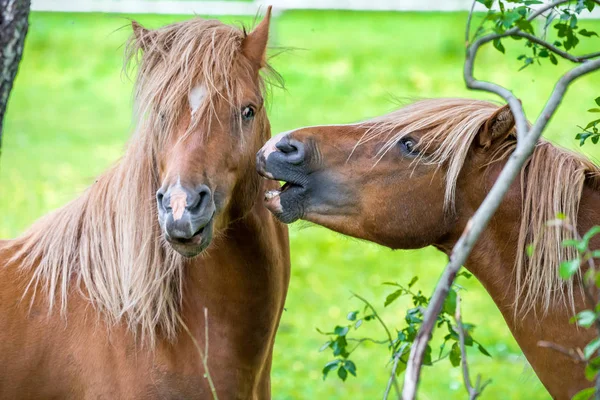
x=292, y=149
x=201, y=200
x=160, y=196
x=285, y=146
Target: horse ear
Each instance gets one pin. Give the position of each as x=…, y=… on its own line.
x=496, y=128
x=254, y=46
x=142, y=35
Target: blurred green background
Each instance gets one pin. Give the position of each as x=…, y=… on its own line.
x=69, y=117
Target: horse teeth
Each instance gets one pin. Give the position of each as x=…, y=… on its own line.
x=271, y=194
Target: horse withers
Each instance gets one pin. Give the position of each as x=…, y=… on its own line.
x=169, y=262
x=414, y=178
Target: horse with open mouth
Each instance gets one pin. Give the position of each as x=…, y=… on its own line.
x=413, y=178
x=167, y=277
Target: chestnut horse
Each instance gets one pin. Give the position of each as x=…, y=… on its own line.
x=98, y=300
x=413, y=178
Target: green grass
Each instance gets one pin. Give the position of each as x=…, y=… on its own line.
x=69, y=118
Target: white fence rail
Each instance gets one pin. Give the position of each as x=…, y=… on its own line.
x=211, y=7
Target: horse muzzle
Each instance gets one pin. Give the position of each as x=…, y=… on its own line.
x=285, y=159
x=186, y=218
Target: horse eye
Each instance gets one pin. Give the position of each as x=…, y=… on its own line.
x=247, y=113
x=407, y=145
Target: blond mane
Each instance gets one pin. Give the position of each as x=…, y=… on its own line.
x=107, y=244
x=552, y=182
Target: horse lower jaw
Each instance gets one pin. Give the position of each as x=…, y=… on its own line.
x=195, y=245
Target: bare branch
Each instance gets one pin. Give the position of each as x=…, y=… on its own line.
x=575, y=354
x=392, y=375
x=545, y=8
x=475, y=391
x=526, y=141
x=515, y=105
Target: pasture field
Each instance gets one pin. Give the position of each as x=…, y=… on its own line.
x=70, y=115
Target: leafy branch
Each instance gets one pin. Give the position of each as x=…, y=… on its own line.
x=591, y=129
x=451, y=347
x=527, y=138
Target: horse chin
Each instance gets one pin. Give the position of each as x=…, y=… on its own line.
x=286, y=204
x=192, y=247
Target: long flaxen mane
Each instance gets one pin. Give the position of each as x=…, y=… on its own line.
x=107, y=244
x=552, y=182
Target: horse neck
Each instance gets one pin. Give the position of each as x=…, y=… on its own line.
x=492, y=261
x=242, y=255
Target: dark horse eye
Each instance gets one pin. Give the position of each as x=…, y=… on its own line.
x=247, y=113
x=407, y=145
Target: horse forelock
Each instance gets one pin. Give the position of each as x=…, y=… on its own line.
x=107, y=243
x=180, y=57
x=552, y=183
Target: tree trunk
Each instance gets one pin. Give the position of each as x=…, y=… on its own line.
x=14, y=16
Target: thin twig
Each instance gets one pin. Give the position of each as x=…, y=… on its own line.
x=468, y=29
x=392, y=375
x=556, y=50
x=376, y=315
x=203, y=355
x=390, y=341
x=473, y=391
x=545, y=8
x=575, y=354
x=359, y=341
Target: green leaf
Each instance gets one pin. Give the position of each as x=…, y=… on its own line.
x=590, y=372
x=466, y=274
x=454, y=355
x=584, y=394
x=358, y=323
x=339, y=346
x=570, y=242
x=342, y=373
x=597, y=100
x=591, y=348
x=588, y=126
x=350, y=367
x=553, y=59
x=413, y=281
x=330, y=366
x=585, y=318
x=590, y=5
x=528, y=61
x=587, y=33
x=325, y=345
x=594, y=110
x=392, y=297
x=482, y=350
x=352, y=316
x=568, y=268
x=498, y=46
x=487, y=3
x=341, y=330
x=590, y=234
x=450, y=303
